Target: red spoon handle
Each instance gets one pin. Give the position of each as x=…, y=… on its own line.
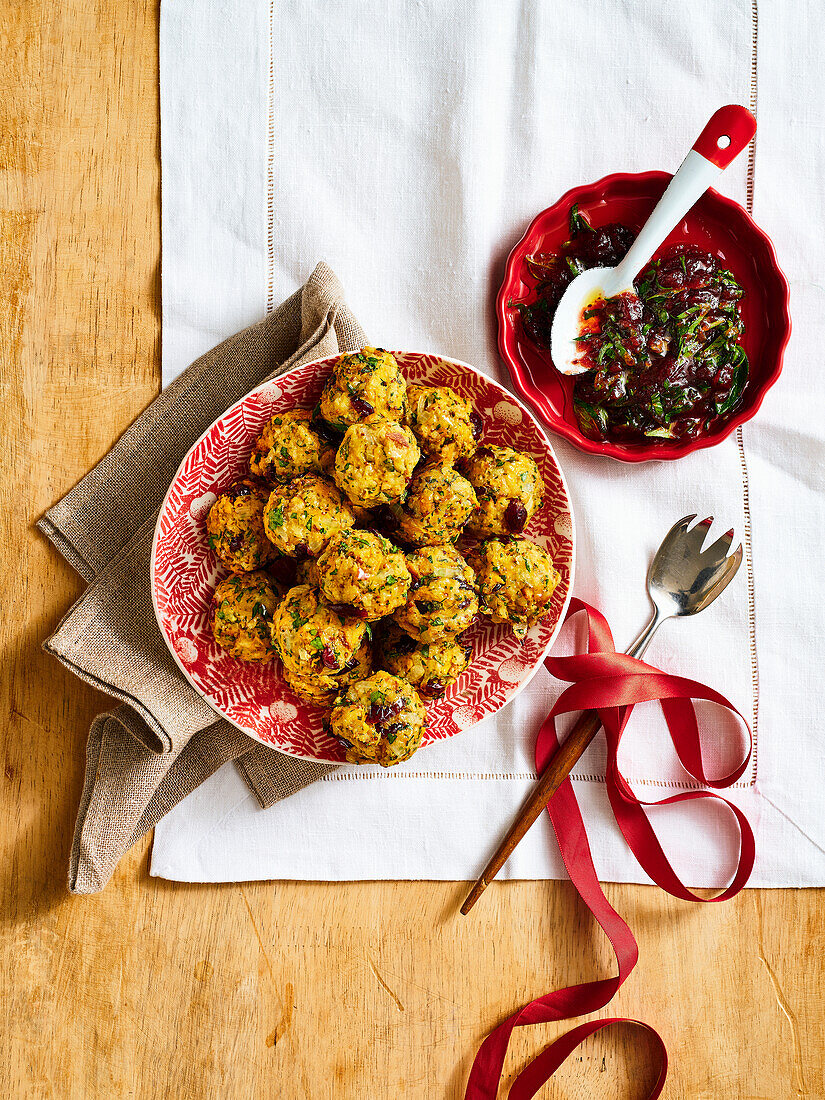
x=727, y=133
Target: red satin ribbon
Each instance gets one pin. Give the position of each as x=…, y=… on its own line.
x=613, y=684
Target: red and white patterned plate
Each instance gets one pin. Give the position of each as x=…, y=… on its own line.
x=184, y=571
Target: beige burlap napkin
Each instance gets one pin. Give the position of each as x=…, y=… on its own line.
x=163, y=740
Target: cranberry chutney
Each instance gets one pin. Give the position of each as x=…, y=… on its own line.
x=663, y=364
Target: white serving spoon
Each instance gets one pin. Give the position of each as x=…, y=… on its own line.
x=722, y=140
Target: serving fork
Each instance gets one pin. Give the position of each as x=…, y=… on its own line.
x=683, y=579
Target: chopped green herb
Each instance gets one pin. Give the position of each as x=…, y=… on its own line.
x=578, y=222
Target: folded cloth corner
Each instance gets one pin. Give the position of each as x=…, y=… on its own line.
x=164, y=740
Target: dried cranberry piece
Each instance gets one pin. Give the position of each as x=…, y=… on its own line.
x=537, y=320
x=606, y=246
x=476, y=424
x=484, y=450
x=362, y=407
x=701, y=267
x=632, y=307
x=686, y=268
x=730, y=294
x=436, y=688
x=302, y=550
x=345, y=610
x=391, y=732
x=705, y=298
x=515, y=516
x=342, y=741
x=328, y=658
x=239, y=489
x=380, y=712
x=235, y=543
x=658, y=342
x=325, y=431
x=723, y=379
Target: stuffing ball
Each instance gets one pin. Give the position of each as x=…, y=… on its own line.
x=241, y=614
x=509, y=488
x=516, y=581
x=235, y=527
x=322, y=689
x=302, y=516
x=311, y=637
x=446, y=426
x=429, y=666
x=375, y=461
x=380, y=719
x=442, y=598
x=366, y=382
x=439, y=502
x=365, y=573
x=288, y=447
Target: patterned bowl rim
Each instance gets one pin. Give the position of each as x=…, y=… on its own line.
x=511, y=397
x=771, y=278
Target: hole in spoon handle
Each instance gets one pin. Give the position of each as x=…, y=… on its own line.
x=727, y=133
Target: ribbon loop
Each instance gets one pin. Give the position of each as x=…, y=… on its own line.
x=613, y=684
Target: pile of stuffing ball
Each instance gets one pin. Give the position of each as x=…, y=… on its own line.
x=341, y=544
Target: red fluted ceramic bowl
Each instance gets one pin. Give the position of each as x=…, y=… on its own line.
x=255, y=697
x=717, y=224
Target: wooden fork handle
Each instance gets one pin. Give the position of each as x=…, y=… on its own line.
x=586, y=727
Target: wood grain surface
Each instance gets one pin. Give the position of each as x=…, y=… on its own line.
x=284, y=990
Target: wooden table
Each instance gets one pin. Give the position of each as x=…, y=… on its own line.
x=289, y=990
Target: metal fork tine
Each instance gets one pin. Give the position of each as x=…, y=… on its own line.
x=679, y=529
x=733, y=561
x=719, y=549
x=726, y=573
x=695, y=537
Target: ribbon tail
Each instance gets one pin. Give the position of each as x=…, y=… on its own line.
x=612, y=684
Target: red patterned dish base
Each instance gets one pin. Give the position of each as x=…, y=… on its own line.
x=184, y=571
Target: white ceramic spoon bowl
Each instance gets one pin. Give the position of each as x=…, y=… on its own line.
x=724, y=137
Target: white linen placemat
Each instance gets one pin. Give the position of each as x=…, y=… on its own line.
x=409, y=146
